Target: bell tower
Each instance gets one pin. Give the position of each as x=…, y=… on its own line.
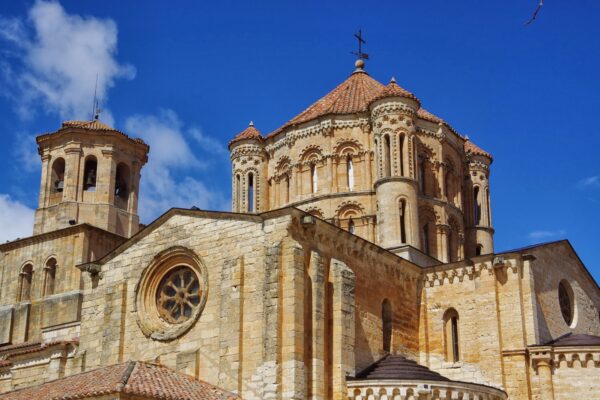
x=90, y=174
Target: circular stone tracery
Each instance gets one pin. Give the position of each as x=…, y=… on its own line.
x=171, y=293
x=178, y=295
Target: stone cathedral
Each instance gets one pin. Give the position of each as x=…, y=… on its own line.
x=357, y=263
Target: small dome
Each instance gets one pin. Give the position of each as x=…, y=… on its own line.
x=250, y=133
x=393, y=90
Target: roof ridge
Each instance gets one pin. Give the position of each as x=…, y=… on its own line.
x=126, y=375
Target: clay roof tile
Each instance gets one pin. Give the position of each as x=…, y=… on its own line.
x=248, y=134
x=140, y=379
x=393, y=90
x=351, y=96
x=472, y=148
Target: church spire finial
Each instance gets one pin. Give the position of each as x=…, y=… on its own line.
x=360, y=64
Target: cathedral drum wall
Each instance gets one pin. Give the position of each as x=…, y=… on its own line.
x=326, y=170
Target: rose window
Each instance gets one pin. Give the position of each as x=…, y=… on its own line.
x=178, y=295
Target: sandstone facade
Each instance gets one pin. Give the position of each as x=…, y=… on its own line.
x=360, y=246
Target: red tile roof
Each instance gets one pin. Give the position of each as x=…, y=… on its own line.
x=570, y=339
x=351, y=96
x=249, y=133
x=471, y=148
x=95, y=125
x=393, y=90
x=426, y=115
x=140, y=379
x=397, y=367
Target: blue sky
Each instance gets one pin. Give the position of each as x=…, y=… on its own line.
x=188, y=77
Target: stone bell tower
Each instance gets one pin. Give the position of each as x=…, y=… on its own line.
x=90, y=174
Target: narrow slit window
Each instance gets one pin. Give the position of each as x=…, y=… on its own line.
x=422, y=175
x=314, y=181
x=451, y=335
x=401, y=155
x=476, y=206
x=251, y=192
x=426, y=238
x=238, y=192
x=402, y=210
x=351, y=227
x=287, y=189
x=49, y=277
x=26, y=277
x=387, y=325
x=386, y=156
x=350, y=172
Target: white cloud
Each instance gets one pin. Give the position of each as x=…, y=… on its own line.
x=26, y=153
x=16, y=219
x=165, y=183
x=55, y=59
x=591, y=181
x=208, y=144
x=542, y=234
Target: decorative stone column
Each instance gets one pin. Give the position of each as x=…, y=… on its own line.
x=318, y=272
x=542, y=362
x=344, y=282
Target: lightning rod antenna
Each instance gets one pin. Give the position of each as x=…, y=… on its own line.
x=95, y=102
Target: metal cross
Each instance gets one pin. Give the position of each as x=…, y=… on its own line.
x=361, y=41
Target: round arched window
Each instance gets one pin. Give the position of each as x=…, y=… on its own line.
x=565, y=299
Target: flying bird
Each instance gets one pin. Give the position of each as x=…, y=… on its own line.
x=535, y=13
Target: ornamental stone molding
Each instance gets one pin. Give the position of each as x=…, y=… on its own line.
x=564, y=357
x=392, y=108
x=320, y=128
x=422, y=390
x=171, y=294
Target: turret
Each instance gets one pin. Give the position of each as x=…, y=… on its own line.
x=249, y=172
x=90, y=174
x=477, y=202
x=393, y=114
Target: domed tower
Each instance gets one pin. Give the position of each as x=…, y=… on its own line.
x=249, y=172
x=478, y=207
x=393, y=114
x=90, y=174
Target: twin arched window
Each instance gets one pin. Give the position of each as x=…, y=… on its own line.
x=26, y=280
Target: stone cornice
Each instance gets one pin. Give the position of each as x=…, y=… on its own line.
x=42, y=237
x=442, y=274
x=322, y=126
